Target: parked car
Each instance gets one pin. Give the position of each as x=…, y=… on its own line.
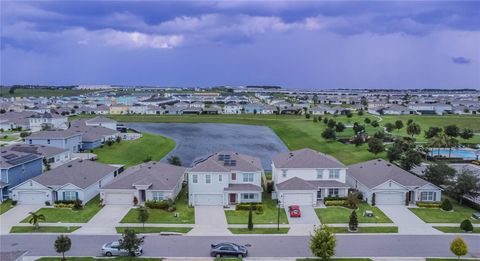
x=113, y=249
x=228, y=249
x=294, y=211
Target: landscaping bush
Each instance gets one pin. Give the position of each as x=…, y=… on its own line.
x=47, y=203
x=171, y=208
x=446, y=205
x=164, y=204
x=269, y=187
x=63, y=205
x=334, y=198
x=335, y=203
x=77, y=205
x=466, y=226
x=64, y=202
x=423, y=204
x=246, y=206
x=14, y=202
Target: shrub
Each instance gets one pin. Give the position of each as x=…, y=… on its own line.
x=77, y=205
x=64, y=202
x=446, y=205
x=246, y=206
x=164, y=204
x=334, y=203
x=171, y=208
x=466, y=226
x=334, y=198
x=353, y=221
x=424, y=204
x=373, y=199
x=269, y=186
x=14, y=202
x=135, y=200
x=63, y=205
x=47, y=203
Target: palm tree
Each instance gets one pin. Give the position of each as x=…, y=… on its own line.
x=451, y=142
x=35, y=218
x=413, y=129
x=438, y=141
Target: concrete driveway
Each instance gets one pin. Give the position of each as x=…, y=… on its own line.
x=105, y=221
x=13, y=216
x=210, y=221
x=406, y=221
x=305, y=224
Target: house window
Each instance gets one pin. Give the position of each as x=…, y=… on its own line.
x=195, y=178
x=157, y=195
x=220, y=178
x=333, y=192
x=428, y=196
x=69, y=195
x=208, y=179
x=284, y=173
x=30, y=141
x=248, y=196
x=100, y=184
x=247, y=177
x=319, y=173
x=234, y=176
x=334, y=174
x=48, y=141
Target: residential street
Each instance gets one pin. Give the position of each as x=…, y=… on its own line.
x=261, y=246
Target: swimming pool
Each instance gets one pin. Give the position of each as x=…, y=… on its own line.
x=456, y=153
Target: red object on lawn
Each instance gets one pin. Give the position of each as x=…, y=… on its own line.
x=294, y=211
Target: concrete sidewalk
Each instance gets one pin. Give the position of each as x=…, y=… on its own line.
x=13, y=216
x=210, y=220
x=105, y=221
x=406, y=221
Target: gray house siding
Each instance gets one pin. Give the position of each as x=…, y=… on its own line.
x=21, y=173
x=91, y=144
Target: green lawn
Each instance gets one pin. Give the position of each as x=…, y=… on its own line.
x=145, y=230
x=436, y=215
x=269, y=215
x=133, y=152
x=283, y=230
x=8, y=137
x=5, y=206
x=53, y=215
x=186, y=213
x=338, y=215
x=456, y=230
x=42, y=229
x=45, y=92
x=366, y=230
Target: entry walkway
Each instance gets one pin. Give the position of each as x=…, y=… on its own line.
x=406, y=221
x=104, y=222
x=13, y=216
x=210, y=220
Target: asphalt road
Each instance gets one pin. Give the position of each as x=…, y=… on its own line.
x=259, y=246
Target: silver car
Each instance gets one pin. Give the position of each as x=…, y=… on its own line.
x=113, y=249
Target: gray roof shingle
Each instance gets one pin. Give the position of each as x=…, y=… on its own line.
x=297, y=183
x=159, y=176
x=306, y=158
x=243, y=187
x=81, y=173
x=375, y=172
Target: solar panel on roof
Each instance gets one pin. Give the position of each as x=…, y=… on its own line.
x=9, y=156
x=21, y=159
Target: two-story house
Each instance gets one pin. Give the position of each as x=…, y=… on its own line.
x=304, y=177
x=225, y=178
x=64, y=139
x=15, y=168
x=48, y=121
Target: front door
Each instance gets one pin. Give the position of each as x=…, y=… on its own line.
x=142, y=195
x=233, y=198
x=319, y=194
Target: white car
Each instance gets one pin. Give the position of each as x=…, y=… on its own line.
x=113, y=249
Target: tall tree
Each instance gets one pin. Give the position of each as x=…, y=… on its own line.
x=432, y=132
x=439, y=173
x=323, y=242
x=398, y=124
x=375, y=145
x=389, y=126
x=329, y=134
x=340, y=127
x=250, y=219
x=466, y=134
x=130, y=241
x=410, y=159
x=62, y=245
x=142, y=215
x=452, y=130
x=175, y=160
x=451, y=143
x=353, y=221
x=35, y=219
x=413, y=129
x=466, y=184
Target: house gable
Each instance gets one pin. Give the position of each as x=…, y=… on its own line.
x=30, y=184
x=390, y=185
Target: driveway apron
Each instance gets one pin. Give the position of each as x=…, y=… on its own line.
x=13, y=216
x=210, y=221
x=305, y=224
x=406, y=221
x=105, y=221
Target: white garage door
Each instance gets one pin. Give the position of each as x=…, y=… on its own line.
x=112, y=198
x=208, y=200
x=390, y=198
x=31, y=197
x=297, y=199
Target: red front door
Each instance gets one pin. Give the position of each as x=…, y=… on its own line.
x=233, y=198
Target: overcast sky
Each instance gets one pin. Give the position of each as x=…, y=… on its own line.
x=314, y=45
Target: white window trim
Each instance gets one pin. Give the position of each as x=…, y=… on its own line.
x=195, y=178
x=208, y=179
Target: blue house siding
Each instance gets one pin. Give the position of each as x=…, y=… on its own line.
x=91, y=145
x=21, y=173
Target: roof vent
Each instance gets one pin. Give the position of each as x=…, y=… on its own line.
x=69, y=166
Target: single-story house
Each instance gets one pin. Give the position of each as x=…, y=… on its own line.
x=384, y=183
x=148, y=181
x=78, y=179
x=52, y=156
